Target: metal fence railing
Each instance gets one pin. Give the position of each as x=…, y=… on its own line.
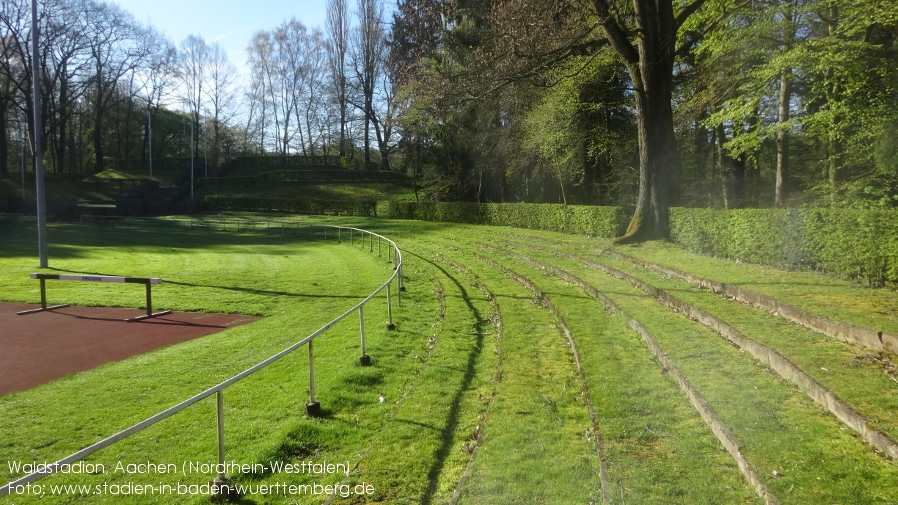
x=222, y=483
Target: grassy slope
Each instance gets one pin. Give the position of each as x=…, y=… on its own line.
x=332, y=191
x=84, y=192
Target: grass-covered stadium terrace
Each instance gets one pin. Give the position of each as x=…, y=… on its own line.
x=505, y=381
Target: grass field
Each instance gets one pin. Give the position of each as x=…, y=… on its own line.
x=503, y=383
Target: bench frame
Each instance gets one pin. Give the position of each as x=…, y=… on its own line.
x=147, y=281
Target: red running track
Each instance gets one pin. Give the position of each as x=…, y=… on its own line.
x=43, y=346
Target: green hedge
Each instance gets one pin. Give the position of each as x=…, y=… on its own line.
x=859, y=244
x=321, y=207
x=854, y=243
x=582, y=219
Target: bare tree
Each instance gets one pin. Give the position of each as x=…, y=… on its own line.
x=117, y=48
x=259, y=53
x=309, y=69
x=222, y=98
x=290, y=74
x=160, y=74
x=195, y=55
x=338, y=47
x=369, y=45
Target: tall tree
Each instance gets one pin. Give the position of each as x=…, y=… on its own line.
x=117, y=48
x=852, y=71
x=650, y=63
x=338, y=48
x=369, y=58
x=221, y=97
x=161, y=74
x=259, y=54
x=195, y=55
x=527, y=37
x=311, y=102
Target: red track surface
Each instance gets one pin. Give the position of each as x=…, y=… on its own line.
x=37, y=348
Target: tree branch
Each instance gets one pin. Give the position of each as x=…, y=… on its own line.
x=685, y=12
x=617, y=35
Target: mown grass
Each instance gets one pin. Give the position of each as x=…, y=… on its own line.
x=536, y=446
x=659, y=450
x=478, y=377
x=805, y=454
x=827, y=296
x=298, y=285
x=818, y=293
x=861, y=377
x=849, y=371
x=165, y=177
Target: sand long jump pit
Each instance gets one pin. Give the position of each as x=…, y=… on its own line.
x=43, y=346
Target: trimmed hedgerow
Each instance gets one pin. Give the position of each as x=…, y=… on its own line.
x=320, y=207
x=854, y=243
x=582, y=219
x=859, y=244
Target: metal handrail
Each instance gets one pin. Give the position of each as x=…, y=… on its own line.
x=219, y=388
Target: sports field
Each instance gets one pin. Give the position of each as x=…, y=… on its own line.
x=521, y=371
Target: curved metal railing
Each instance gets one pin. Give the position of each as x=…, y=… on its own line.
x=394, y=255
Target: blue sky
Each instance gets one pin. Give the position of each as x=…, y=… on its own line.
x=231, y=23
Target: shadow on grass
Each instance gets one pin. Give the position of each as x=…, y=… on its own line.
x=447, y=433
x=253, y=291
x=19, y=238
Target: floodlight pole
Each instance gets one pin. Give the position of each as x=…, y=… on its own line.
x=191, y=158
x=150, y=135
x=38, y=140
x=22, y=160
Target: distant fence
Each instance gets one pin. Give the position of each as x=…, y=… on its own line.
x=222, y=484
x=273, y=162
x=162, y=164
x=326, y=175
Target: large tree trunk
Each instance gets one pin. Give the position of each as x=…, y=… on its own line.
x=652, y=78
x=658, y=157
x=650, y=65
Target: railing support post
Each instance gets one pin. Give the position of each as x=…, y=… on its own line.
x=149, y=300
x=313, y=408
x=364, y=359
x=222, y=485
x=43, y=293
x=390, y=325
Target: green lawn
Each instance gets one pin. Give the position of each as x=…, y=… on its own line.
x=475, y=398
